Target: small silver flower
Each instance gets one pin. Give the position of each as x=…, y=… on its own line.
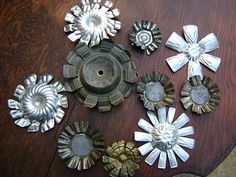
x=38, y=104
x=92, y=23
x=192, y=52
x=165, y=137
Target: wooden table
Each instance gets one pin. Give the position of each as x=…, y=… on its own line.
x=33, y=41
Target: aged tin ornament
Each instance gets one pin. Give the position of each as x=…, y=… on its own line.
x=200, y=95
x=100, y=76
x=165, y=137
x=123, y=159
x=146, y=35
x=39, y=102
x=155, y=90
x=192, y=52
x=92, y=23
x=81, y=145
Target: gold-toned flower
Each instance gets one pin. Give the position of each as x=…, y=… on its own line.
x=81, y=145
x=155, y=90
x=200, y=95
x=122, y=160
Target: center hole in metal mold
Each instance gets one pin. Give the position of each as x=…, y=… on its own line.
x=100, y=72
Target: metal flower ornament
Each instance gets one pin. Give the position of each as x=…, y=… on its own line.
x=192, y=52
x=39, y=102
x=92, y=23
x=165, y=137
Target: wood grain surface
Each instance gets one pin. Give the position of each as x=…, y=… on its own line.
x=32, y=41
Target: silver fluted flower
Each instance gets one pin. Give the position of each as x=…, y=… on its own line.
x=192, y=52
x=39, y=103
x=92, y=23
x=165, y=137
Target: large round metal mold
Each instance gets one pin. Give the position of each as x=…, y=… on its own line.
x=200, y=95
x=165, y=137
x=155, y=90
x=100, y=76
x=122, y=159
x=81, y=145
x=92, y=23
x=146, y=35
x=38, y=104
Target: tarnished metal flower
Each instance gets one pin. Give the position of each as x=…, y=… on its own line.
x=92, y=23
x=123, y=159
x=146, y=35
x=155, y=90
x=192, y=52
x=164, y=138
x=81, y=145
x=100, y=76
x=200, y=95
x=39, y=102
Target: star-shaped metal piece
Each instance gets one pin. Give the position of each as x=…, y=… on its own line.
x=192, y=52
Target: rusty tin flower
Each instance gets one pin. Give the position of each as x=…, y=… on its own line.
x=165, y=137
x=39, y=102
x=155, y=90
x=146, y=35
x=192, y=52
x=100, y=76
x=81, y=145
x=122, y=159
x=201, y=96
x=92, y=23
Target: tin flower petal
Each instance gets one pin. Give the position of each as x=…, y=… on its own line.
x=186, y=142
x=165, y=138
x=190, y=33
x=194, y=69
x=176, y=42
x=177, y=62
x=146, y=148
x=92, y=23
x=153, y=118
x=181, y=153
x=140, y=136
x=172, y=159
x=209, y=43
x=152, y=157
x=210, y=61
x=145, y=125
x=181, y=121
x=101, y=76
x=38, y=103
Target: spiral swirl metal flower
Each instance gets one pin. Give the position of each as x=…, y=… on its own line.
x=92, y=23
x=38, y=104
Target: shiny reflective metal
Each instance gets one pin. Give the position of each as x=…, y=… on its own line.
x=165, y=137
x=91, y=23
x=192, y=52
x=122, y=159
x=81, y=145
x=101, y=76
x=39, y=102
x=146, y=35
x=201, y=96
x=155, y=90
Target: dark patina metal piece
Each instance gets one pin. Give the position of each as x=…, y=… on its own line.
x=123, y=159
x=81, y=145
x=146, y=35
x=200, y=95
x=101, y=76
x=155, y=90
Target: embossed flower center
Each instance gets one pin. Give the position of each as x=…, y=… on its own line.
x=154, y=91
x=165, y=137
x=193, y=51
x=38, y=101
x=144, y=37
x=200, y=95
x=91, y=21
